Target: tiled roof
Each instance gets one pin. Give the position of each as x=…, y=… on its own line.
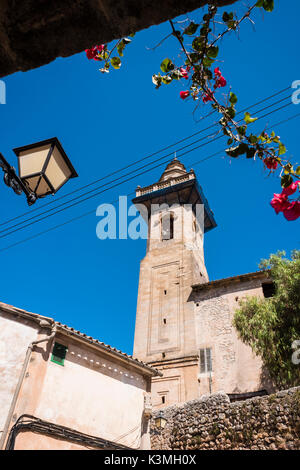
x=231, y=280
x=79, y=335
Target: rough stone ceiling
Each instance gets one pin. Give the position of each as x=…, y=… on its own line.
x=35, y=32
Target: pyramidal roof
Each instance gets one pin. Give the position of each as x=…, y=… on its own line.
x=174, y=169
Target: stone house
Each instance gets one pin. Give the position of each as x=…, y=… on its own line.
x=184, y=321
x=62, y=389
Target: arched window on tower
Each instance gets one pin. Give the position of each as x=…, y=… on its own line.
x=167, y=226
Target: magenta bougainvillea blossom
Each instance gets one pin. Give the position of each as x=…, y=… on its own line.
x=94, y=52
x=184, y=94
x=281, y=203
x=271, y=163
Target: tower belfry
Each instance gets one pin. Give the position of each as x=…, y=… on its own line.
x=165, y=333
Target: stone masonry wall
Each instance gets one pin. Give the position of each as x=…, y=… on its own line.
x=212, y=422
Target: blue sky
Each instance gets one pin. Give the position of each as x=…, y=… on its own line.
x=106, y=122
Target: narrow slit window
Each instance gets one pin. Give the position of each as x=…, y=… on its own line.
x=59, y=354
x=205, y=360
x=167, y=227
x=163, y=399
x=165, y=321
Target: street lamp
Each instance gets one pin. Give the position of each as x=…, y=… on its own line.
x=160, y=421
x=43, y=169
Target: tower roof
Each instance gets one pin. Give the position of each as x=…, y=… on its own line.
x=174, y=169
x=176, y=185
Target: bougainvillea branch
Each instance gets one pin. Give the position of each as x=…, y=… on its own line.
x=206, y=80
x=198, y=67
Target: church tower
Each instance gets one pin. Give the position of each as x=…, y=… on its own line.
x=165, y=334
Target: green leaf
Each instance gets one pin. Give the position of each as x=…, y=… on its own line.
x=166, y=79
x=167, y=65
x=120, y=48
x=227, y=16
x=237, y=151
x=213, y=51
x=116, y=62
x=176, y=75
x=297, y=171
x=233, y=98
x=286, y=180
x=253, y=139
x=231, y=112
x=242, y=130
x=195, y=57
x=207, y=62
x=191, y=29
x=248, y=119
x=198, y=44
x=282, y=149
x=232, y=24
x=251, y=152
x=268, y=5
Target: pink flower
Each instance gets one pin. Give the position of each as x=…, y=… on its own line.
x=221, y=82
x=184, y=94
x=293, y=211
x=291, y=189
x=218, y=72
x=271, y=163
x=208, y=96
x=184, y=73
x=101, y=47
x=91, y=53
x=280, y=203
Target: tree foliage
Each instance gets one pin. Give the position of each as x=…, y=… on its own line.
x=272, y=326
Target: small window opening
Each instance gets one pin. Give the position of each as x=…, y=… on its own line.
x=59, y=353
x=163, y=399
x=205, y=360
x=268, y=289
x=165, y=292
x=167, y=227
x=163, y=355
x=165, y=321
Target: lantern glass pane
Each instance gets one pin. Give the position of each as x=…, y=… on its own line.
x=57, y=170
x=32, y=161
x=43, y=188
x=32, y=182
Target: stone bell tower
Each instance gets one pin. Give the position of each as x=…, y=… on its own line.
x=165, y=332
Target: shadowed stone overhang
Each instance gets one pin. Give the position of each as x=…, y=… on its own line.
x=35, y=32
x=261, y=275
x=188, y=192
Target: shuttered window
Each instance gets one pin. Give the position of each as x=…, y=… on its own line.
x=205, y=360
x=59, y=354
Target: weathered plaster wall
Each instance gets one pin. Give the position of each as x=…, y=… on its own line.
x=90, y=393
x=94, y=392
x=15, y=337
x=236, y=368
x=35, y=32
x=212, y=422
x=34, y=441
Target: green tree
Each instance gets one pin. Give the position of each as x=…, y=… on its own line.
x=271, y=326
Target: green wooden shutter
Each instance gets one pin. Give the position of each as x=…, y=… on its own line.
x=59, y=354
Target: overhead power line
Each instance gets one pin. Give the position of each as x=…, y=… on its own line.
x=93, y=211
x=99, y=190
x=143, y=159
